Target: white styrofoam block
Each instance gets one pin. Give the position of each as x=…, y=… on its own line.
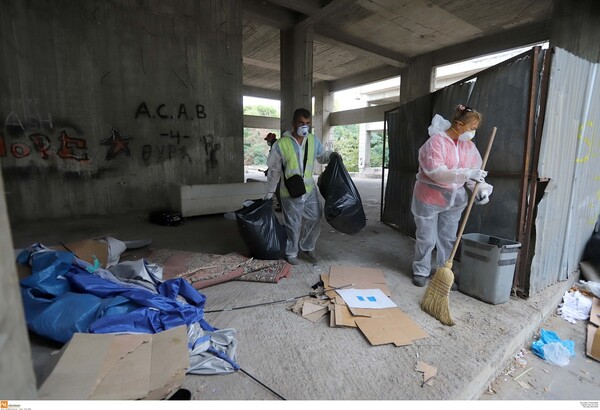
x=206, y=199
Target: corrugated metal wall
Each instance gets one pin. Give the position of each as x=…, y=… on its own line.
x=569, y=161
x=502, y=94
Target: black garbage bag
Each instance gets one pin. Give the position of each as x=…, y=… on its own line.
x=343, y=206
x=260, y=229
x=592, y=248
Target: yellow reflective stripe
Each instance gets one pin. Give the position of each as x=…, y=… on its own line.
x=290, y=160
x=291, y=165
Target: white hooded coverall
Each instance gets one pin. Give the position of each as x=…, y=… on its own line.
x=302, y=216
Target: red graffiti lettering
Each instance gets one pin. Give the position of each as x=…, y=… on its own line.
x=41, y=143
x=20, y=150
x=68, y=146
x=2, y=146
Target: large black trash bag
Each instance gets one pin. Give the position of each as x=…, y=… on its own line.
x=260, y=229
x=343, y=206
x=592, y=248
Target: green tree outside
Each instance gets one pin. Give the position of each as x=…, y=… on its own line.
x=377, y=150
x=345, y=141
x=256, y=149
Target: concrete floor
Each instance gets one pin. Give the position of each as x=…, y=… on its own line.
x=301, y=360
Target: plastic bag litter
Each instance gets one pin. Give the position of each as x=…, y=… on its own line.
x=343, y=206
x=575, y=307
x=589, y=286
x=556, y=355
x=260, y=229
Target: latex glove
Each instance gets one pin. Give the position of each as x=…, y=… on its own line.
x=482, y=197
x=268, y=196
x=477, y=175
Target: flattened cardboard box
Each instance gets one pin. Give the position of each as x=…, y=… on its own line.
x=353, y=277
x=119, y=367
x=86, y=250
x=593, y=332
x=380, y=326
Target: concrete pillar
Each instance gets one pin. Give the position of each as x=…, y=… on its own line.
x=416, y=79
x=17, y=379
x=364, y=148
x=320, y=120
x=296, y=72
x=575, y=28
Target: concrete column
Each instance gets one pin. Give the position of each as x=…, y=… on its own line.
x=575, y=28
x=364, y=148
x=296, y=72
x=17, y=379
x=320, y=120
x=416, y=79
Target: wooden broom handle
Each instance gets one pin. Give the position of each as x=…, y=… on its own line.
x=472, y=199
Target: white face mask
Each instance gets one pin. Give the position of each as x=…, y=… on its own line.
x=467, y=136
x=302, y=130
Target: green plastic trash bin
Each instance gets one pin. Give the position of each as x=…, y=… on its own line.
x=487, y=267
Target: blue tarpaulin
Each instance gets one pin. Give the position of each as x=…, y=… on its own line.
x=61, y=297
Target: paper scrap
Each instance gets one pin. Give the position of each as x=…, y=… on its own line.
x=366, y=298
x=428, y=372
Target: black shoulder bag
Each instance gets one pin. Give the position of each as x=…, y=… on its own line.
x=295, y=183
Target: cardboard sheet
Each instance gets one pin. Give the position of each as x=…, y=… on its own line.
x=357, y=278
x=390, y=326
x=593, y=342
x=594, y=318
x=314, y=310
x=380, y=326
x=592, y=346
x=343, y=317
x=119, y=367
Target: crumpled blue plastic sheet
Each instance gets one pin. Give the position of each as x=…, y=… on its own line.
x=548, y=336
x=61, y=297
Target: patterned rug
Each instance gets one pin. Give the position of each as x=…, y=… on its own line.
x=202, y=269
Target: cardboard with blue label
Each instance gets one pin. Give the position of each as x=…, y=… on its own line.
x=361, y=298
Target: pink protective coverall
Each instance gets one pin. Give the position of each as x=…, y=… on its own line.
x=439, y=196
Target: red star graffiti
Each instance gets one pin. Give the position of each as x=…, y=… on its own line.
x=116, y=143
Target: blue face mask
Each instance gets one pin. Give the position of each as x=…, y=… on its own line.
x=302, y=130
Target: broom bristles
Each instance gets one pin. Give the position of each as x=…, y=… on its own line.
x=436, y=299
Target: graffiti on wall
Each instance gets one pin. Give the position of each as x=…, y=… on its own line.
x=173, y=143
x=31, y=135
x=163, y=112
x=211, y=148
x=39, y=134
x=115, y=144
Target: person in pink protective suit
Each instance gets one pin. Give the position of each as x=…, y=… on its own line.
x=448, y=161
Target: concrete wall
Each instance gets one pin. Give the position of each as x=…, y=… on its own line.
x=104, y=104
x=17, y=380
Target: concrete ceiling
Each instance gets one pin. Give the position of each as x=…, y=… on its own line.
x=362, y=41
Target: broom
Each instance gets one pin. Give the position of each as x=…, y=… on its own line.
x=435, y=302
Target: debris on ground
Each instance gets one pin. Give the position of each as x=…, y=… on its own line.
x=428, y=371
x=381, y=323
x=552, y=349
x=575, y=306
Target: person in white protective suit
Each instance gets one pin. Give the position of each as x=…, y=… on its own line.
x=448, y=161
x=291, y=162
